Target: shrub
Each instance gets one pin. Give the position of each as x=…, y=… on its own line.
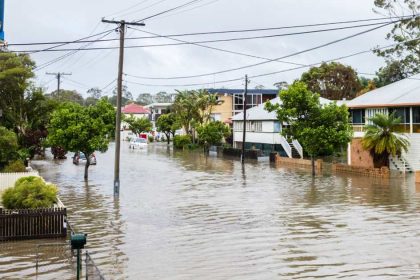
x=30, y=192
x=58, y=152
x=15, y=166
x=151, y=138
x=181, y=141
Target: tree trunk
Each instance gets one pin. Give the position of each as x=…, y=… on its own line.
x=313, y=165
x=168, y=137
x=87, y=166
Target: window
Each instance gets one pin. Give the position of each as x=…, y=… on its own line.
x=251, y=126
x=277, y=127
x=252, y=100
x=403, y=113
x=357, y=116
x=416, y=115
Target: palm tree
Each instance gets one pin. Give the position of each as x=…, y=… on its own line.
x=382, y=139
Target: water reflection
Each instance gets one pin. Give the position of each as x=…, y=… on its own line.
x=183, y=215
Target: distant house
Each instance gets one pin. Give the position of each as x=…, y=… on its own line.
x=136, y=111
x=233, y=101
x=401, y=98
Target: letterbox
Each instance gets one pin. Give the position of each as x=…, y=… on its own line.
x=77, y=241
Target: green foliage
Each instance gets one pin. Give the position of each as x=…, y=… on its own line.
x=8, y=145
x=28, y=193
x=182, y=141
x=144, y=99
x=138, y=125
x=67, y=96
x=15, y=166
x=382, y=139
x=213, y=133
x=168, y=124
x=85, y=129
x=16, y=70
x=193, y=108
x=151, y=138
x=321, y=129
x=405, y=32
x=394, y=71
x=333, y=81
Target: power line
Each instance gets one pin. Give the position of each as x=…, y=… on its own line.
x=127, y=9
x=271, y=60
x=216, y=41
x=70, y=42
x=217, y=49
x=169, y=10
x=270, y=73
x=142, y=9
x=55, y=60
x=194, y=8
x=80, y=41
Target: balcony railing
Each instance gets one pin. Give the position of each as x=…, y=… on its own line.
x=358, y=128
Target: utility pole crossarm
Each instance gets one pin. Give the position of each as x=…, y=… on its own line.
x=58, y=75
x=122, y=21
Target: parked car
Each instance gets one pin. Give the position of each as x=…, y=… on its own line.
x=140, y=143
x=80, y=157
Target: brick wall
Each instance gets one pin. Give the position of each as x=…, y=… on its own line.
x=299, y=162
x=358, y=156
x=366, y=171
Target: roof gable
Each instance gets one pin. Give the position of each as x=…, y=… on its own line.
x=402, y=93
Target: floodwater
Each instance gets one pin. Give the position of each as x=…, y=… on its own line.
x=181, y=215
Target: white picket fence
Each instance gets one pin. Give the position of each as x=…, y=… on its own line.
x=8, y=179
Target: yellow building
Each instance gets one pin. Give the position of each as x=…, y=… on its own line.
x=233, y=101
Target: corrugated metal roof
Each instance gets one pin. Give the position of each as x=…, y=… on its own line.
x=258, y=113
x=402, y=93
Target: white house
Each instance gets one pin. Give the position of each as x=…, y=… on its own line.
x=401, y=98
x=263, y=131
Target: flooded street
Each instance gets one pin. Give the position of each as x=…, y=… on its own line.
x=181, y=215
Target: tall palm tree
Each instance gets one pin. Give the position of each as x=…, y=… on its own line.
x=382, y=139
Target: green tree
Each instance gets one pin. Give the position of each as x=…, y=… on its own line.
x=394, y=71
x=168, y=124
x=382, y=139
x=82, y=129
x=95, y=93
x=213, y=133
x=8, y=146
x=163, y=97
x=321, y=129
x=186, y=109
x=144, y=99
x=333, y=81
x=138, y=125
x=67, y=96
x=406, y=33
x=16, y=70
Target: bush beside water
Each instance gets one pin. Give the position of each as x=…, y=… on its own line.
x=14, y=166
x=28, y=193
x=182, y=141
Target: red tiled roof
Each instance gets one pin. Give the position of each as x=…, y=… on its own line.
x=134, y=109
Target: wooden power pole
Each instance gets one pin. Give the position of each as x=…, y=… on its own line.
x=58, y=76
x=244, y=129
x=121, y=28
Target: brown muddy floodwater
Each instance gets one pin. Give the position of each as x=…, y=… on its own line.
x=181, y=215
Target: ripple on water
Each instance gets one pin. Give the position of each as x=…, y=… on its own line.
x=181, y=215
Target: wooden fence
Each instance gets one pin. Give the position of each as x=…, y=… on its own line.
x=32, y=223
x=8, y=179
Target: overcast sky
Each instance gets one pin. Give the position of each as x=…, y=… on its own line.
x=52, y=20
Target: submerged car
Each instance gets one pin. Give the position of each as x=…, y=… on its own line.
x=80, y=157
x=140, y=143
